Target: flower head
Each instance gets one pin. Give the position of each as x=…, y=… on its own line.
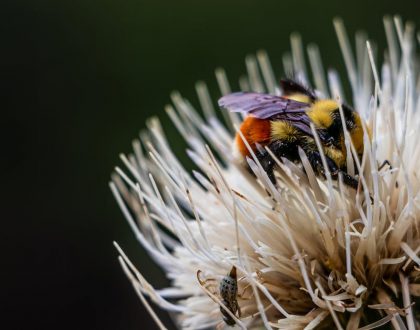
x=308, y=251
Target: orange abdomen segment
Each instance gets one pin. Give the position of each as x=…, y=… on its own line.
x=255, y=131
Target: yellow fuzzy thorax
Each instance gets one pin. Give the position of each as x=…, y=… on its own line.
x=320, y=113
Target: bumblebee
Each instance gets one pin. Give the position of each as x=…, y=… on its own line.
x=283, y=124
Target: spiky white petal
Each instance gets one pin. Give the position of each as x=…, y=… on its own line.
x=308, y=252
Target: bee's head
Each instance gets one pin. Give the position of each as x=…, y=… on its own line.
x=325, y=114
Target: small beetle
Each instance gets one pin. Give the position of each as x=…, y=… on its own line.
x=228, y=290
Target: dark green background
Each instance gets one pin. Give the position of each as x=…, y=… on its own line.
x=79, y=80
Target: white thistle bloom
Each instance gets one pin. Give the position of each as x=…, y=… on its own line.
x=309, y=252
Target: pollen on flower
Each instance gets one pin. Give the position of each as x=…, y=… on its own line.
x=307, y=252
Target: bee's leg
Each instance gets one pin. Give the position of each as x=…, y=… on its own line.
x=267, y=163
x=279, y=149
x=352, y=182
x=349, y=180
x=314, y=158
x=386, y=162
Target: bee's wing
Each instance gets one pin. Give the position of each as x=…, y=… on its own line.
x=271, y=107
x=263, y=106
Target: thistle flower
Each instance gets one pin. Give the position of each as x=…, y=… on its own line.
x=308, y=252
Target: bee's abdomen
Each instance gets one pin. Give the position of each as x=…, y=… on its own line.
x=256, y=131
